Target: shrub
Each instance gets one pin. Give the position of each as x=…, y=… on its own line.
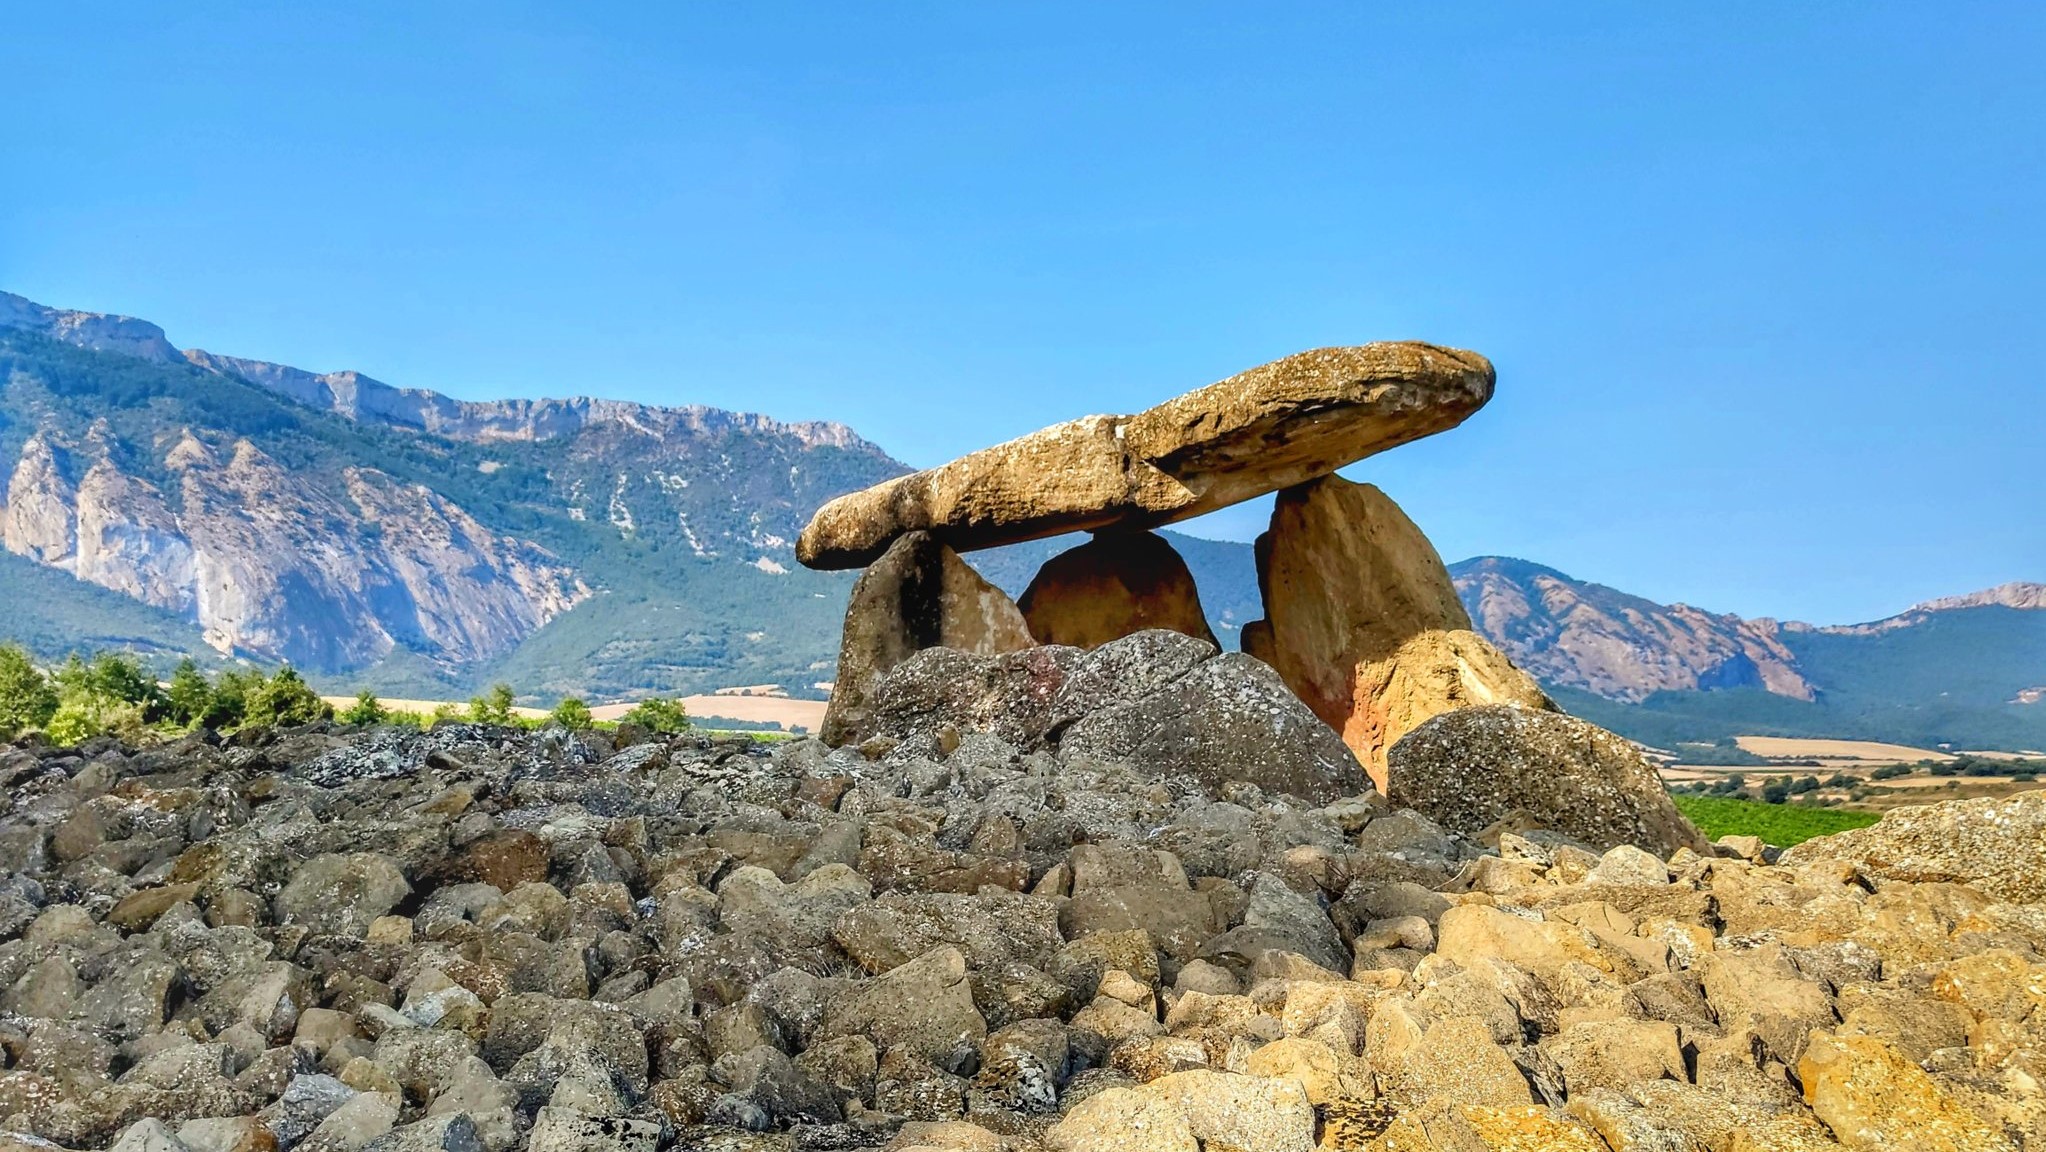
x=658, y=715
x=229, y=704
x=1804, y=784
x=367, y=709
x=1776, y=791
x=27, y=698
x=1890, y=772
x=494, y=707
x=445, y=714
x=286, y=700
x=572, y=714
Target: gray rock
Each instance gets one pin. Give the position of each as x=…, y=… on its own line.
x=561, y=1130
x=925, y=1005
x=452, y=1133
x=341, y=894
x=1473, y=767
x=148, y=1135
x=1228, y=719
x=307, y=1101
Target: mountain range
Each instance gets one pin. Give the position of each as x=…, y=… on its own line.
x=180, y=501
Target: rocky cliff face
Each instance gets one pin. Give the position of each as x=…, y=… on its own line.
x=273, y=564
x=359, y=397
x=334, y=520
x=1581, y=635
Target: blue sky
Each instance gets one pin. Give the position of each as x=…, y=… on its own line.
x=1763, y=282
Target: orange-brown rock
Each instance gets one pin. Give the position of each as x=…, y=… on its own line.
x=1364, y=623
x=1274, y=426
x=918, y=595
x=1115, y=584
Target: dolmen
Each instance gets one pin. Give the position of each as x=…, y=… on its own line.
x=1362, y=621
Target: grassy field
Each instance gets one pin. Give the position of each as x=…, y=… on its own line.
x=1778, y=824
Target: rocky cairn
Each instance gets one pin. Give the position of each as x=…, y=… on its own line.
x=486, y=940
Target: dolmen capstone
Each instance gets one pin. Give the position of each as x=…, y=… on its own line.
x=1362, y=622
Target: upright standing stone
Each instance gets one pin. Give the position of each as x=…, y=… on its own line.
x=918, y=595
x=1115, y=585
x=1363, y=621
x=1276, y=425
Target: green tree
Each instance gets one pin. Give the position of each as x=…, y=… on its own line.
x=27, y=698
x=494, y=707
x=367, y=709
x=284, y=700
x=572, y=714
x=189, y=697
x=659, y=715
x=229, y=705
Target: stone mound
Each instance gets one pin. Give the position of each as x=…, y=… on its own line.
x=553, y=943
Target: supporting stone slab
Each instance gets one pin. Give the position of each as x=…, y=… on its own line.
x=1115, y=585
x=918, y=595
x=1363, y=620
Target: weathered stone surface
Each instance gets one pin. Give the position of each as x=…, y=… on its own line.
x=1476, y=766
x=342, y=894
x=1362, y=620
x=1996, y=846
x=1230, y=719
x=925, y=1004
x=1274, y=426
x=1116, y=584
x=919, y=594
x=1873, y=1099
x=1161, y=702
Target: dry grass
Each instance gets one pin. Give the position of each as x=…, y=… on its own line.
x=1858, y=751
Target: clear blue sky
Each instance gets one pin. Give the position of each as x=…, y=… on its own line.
x=1763, y=282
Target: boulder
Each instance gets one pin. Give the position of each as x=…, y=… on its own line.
x=1473, y=767
x=1229, y=719
x=1272, y=427
x=1114, y=585
x=1996, y=846
x=1363, y=621
x=1873, y=1098
x=342, y=894
x=919, y=594
x=925, y=1005
x=1162, y=702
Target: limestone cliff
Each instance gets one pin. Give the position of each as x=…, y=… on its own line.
x=271, y=563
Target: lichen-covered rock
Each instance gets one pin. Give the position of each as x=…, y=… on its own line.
x=1363, y=621
x=1190, y=712
x=1873, y=1099
x=1474, y=767
x=1115, y=585
x=1997, y=846
x=1228, y=720
x=340, y=895
x=1271, y=427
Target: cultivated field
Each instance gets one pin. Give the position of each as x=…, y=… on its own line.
x=1861, y=751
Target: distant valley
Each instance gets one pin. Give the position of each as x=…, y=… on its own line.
x=176, y=501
